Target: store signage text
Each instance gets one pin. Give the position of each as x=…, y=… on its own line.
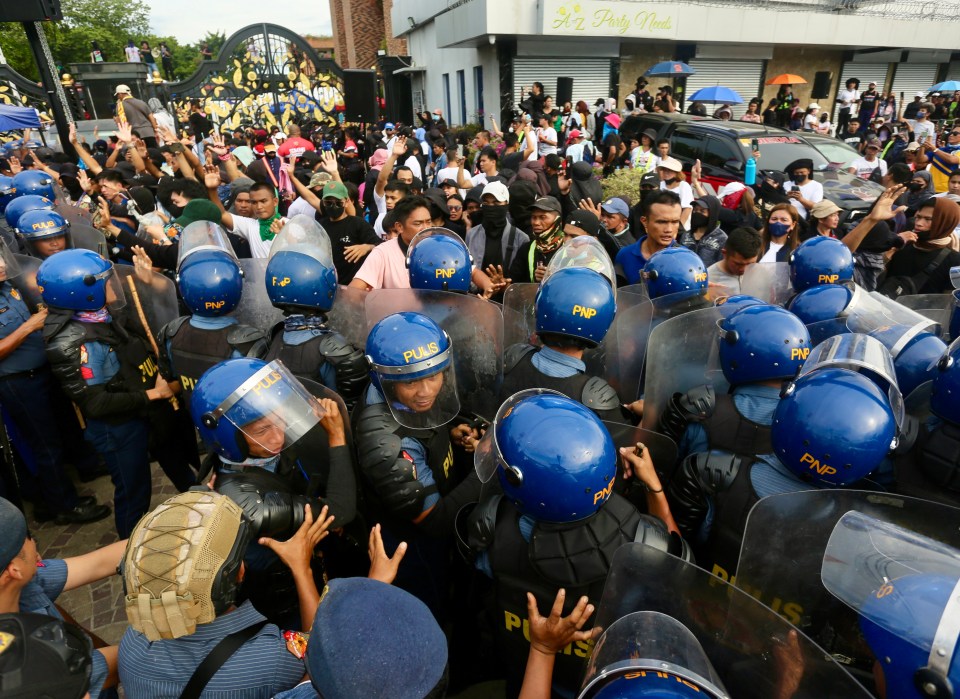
x=596, y=18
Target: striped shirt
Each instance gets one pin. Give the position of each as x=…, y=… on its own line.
x=261, y=668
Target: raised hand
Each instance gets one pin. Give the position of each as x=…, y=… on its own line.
x=328, y=162
x=124, y=133
x=297, y=551
x=383, y=567
x=211, y=176
x=400, y=146
x=552, y=634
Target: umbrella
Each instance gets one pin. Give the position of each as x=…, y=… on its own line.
x=669, y=69
x=947, y=86
x=786, y=79
x=717, y=94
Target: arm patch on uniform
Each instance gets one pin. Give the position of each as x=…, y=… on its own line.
x=409, y=458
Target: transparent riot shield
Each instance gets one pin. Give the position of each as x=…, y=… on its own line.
x=638, y=289
x=26, y=281
x=320, y=391
x=682, y=354
x=870, y=310
x=348, y=317
x=255, y=308
x=783, y=551
x=625, y=345
x=663, y=450
x=955, y=316
x=74, y=214
x=151, y=292
x=583, y=251
x=475, y=328
x=753, y=651
x=769, y=282
x=86, y=237
x=519, y=316
x=936, y=307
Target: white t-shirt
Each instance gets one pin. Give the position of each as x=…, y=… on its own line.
x=544, y=135
x=532, y=141
x=848, y=97
x=811, y=189
x=684, y=191
x=249, y=228
x=924, y=128
x=771, y=255
x=575, y=151
x=414, y=165
x=300, y=207
x=381, y=203
x=717, y=275
x=447, y=173
x=810, y=122
x=644, y=161
x=863, y=167
x=133, y=54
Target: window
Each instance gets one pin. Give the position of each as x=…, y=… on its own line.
x=719, y=151
x=685, y=145
x=446, y=96
x=478, y=91
x=462, y=87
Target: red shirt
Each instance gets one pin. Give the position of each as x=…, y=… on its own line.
x=295, y=146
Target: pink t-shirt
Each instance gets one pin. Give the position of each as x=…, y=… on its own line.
x=385, y=267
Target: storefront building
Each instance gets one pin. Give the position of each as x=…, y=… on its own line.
x=471, y=57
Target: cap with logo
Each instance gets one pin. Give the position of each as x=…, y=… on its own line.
x=616, y=205
x=547, y=204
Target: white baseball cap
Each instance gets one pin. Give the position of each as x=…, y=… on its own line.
x=498, y=190
x=122, y=90
x=919, y=94
x=813, y=105
x=671, y=164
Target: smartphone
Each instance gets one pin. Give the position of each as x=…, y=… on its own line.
x=754, y=145
x=459, y=150
x=176, y=148
x=789, y=187
x=327, y=145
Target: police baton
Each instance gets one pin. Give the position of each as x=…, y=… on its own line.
x=146, y=328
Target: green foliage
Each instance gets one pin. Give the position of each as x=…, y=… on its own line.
x=623, y=183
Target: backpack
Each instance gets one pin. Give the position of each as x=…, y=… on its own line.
x=895, y=287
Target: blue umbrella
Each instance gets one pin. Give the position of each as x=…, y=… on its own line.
x=669, y=69
x=717, y=93
x=947, y=86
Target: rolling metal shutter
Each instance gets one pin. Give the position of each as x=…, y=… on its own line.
x=740, y=76
x=591, y=76
x=912, y=78
x=867, y=73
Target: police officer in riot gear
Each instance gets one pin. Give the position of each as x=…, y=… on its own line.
x=210, y=282
x=729, y=434
x=274, y=448
x=21, y=205
x=676, y=282
x=439, y=260
x=413, y=484
x=820, y=260
x=34, y=182
x=574, y=309
x=301, y=281
x=45, y=232
x=105, y=366
x=555, y=520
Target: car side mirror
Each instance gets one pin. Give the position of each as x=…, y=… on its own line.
x=733, y=165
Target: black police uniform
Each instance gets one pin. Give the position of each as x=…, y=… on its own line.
x=928, y=466
x=306, y=360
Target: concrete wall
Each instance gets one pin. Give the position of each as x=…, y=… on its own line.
x=805, y=62
x=635, y=59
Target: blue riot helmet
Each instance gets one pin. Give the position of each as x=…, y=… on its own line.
x=247, y=408
x=760, y=343
x=201, y=236
x=34, y=182
x=820, y=260
x=79, y=280
x=411, y=363
x=729, y=305
x=833, y=427
x=576, y=302
x=210, y=283
x=300, y=272
x=945, y=398
x=7, y=192
x=915, y=352
x=677, y=272
x=21, y=205
x=905, y=588
x=41, y=226
x=821, y=309
x=561, y=473
x=438, y=259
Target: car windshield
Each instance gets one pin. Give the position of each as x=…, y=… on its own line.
x=837, y=153
x=776, y=152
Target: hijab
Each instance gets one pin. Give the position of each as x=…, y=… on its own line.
x=914, y=198
x=946, y=217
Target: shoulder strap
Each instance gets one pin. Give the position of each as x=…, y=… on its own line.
x=216, y=658
x=920, y=280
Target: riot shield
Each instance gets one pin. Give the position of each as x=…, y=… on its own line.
x=156, y=297
x=519, y=317
x=85, y=237
x=753, y=651
x=475, y=327
x=663, y=451
x=769, y=282
x=583, y=251
x=783, y=551
x=625, y=345
x=869, y=310
x=318, y=391
x=26, y=281
x=74, y=214
x=637, y=289
x=955, y=316
x=255, y=308
x=682, y=353
x=347, y=316
x=936, y=307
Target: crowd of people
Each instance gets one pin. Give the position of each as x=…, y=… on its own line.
x=418, y=385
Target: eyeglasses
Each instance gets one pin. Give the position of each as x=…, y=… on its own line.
x=452, y=209
x=955, y=133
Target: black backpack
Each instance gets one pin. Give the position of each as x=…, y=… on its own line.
x=895, y=287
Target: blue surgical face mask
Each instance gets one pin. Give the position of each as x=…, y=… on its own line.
x=778, y=229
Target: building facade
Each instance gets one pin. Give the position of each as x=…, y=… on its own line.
x=472, y=57
x=362, y=28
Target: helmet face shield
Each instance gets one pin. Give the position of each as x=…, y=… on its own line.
x=9, y=267
x=418, y=400
x=270, y=411
x=203, y=235
x=304, y=235
x=583, y=251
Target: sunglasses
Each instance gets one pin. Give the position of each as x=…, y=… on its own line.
x=454, y=208
x=955, y=133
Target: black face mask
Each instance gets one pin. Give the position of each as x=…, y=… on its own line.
x=671, y=180
x=333, y=209
x=271, y=154
x=698, y=220
x=916, y=186
x=798, y=178
x=493, y=217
